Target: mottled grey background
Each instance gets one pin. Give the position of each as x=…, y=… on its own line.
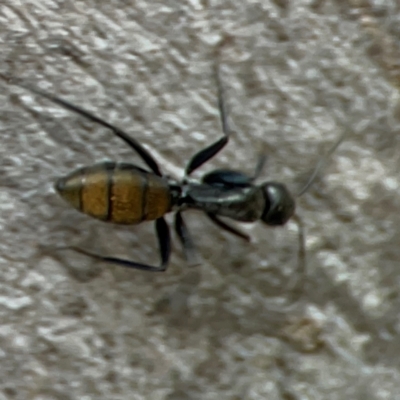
x=297, y=73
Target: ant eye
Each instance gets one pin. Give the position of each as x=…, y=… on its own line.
x=279, y=204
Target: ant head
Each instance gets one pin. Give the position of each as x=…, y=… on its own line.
x=279, y=204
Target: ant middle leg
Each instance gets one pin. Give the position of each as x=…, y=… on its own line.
x=189, y=249
x=204, y=155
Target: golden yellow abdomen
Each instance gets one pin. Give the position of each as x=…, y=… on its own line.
x=119, y=193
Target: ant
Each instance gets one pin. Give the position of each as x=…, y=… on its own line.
x=124, y=193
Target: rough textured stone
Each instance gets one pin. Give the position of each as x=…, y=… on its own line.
x=297, y=74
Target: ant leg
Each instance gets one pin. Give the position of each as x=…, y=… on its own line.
x=134, y=144
x=189, y=248
x=228, y=227
x=204, y=155
x=165, y=250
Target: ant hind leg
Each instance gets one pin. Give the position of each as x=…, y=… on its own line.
x=165, y=250
x=131, y=142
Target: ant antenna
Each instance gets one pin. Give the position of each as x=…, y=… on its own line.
x=261, y=162
x=296, y=288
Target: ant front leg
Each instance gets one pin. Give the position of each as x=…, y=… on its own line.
x=227, y=227
x=204, y=155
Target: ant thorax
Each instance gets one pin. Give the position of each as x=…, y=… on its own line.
x=244, y=204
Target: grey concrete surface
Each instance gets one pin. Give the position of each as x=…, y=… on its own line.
x=297, y=74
